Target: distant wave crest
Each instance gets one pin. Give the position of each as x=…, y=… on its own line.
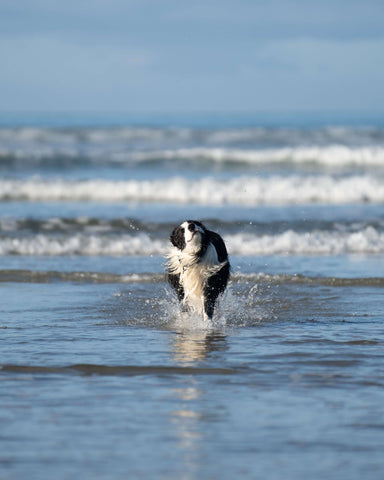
x=332, y=147
x=275, y=190
x=330, y=156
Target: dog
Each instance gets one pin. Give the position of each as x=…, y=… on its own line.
x=198, y=268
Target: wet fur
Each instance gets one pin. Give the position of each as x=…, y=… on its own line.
x=198, y=268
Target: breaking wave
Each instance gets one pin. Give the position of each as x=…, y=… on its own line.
x=332, y=156
x=368, y=240
x=244, y=190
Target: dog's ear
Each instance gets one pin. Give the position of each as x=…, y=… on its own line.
x=178, y=238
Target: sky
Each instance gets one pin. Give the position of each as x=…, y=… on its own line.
x=179, y=56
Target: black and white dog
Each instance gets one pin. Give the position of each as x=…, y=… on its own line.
x=198, y=266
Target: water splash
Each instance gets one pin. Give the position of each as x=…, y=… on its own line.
x=236, y=308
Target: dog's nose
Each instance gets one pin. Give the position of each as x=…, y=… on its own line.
x=191, y=227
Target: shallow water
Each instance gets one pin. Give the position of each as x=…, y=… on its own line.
x=107, y=380
x=102, y=376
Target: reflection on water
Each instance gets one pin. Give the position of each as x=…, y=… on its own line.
x=187, y=420
x=185, y=426
x=189, y=348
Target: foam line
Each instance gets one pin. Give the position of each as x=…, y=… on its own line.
x=244, y=190
x=368, y=240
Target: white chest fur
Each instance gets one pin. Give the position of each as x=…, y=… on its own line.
x=194, y=273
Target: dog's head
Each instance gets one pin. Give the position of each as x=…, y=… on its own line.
x=189, y=236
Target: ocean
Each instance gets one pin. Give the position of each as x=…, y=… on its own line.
x=102, y=376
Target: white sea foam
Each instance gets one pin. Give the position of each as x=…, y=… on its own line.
x=293, y=189
x=368, y=240
x=330, y=156
x=82, y=244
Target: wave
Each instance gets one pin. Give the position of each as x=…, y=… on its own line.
x=368, y=240
x=82, y=244
x=331, y=156
x=128, y=134
x=331, y=147
x=334, y=156
x=277, y=190
x=121, y=226
x=33, y=276
x=78, y=224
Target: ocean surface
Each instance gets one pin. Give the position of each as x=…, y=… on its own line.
x=102, y=376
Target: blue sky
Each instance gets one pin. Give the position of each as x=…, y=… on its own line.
x=191, y=56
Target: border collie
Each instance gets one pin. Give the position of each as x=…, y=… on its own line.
x=198, y=267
